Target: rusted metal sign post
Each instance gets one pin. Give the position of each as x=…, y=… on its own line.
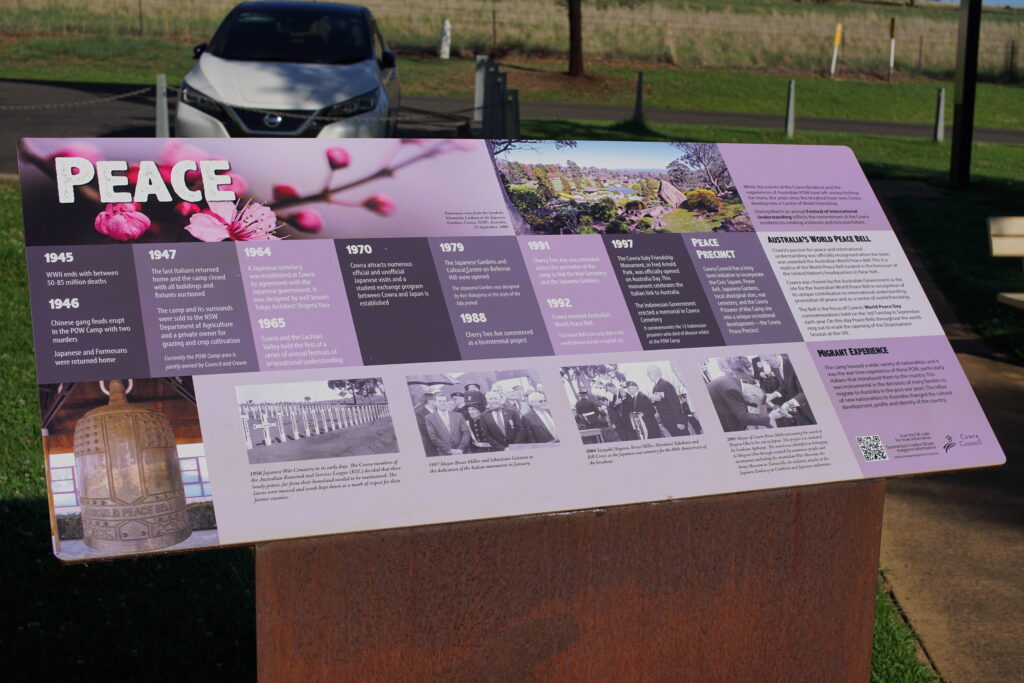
x=776, y=585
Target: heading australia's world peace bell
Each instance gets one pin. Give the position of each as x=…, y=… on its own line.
x=132, y=497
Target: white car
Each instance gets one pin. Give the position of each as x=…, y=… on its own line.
x=300, y=69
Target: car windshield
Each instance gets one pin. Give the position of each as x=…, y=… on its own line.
x=289, y=36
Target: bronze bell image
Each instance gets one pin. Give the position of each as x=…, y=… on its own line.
x=132, y=497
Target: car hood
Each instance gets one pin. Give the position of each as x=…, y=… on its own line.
x=281, y=85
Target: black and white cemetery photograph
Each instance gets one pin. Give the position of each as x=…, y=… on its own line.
x=328, y=418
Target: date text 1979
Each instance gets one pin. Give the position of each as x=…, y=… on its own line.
x=110, y=175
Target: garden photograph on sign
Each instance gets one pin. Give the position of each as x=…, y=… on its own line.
x=617, y=188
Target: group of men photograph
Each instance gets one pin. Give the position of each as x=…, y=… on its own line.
x=472, y=420
x=610, y=398
x=757, y=392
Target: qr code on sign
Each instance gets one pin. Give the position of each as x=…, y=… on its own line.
x=871, y=448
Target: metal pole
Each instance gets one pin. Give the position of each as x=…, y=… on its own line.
x=638, y=107
x=963, y=93
x=480, y=85
x=940, y=116
x=892, y=46
x=791, y=109
x=444, y=50
x=835, y=49
x=512, y=115
x=163, y=124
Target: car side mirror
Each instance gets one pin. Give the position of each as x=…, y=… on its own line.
x=387, y=59
x=198, y=50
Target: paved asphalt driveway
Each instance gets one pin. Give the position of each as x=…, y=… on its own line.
x=423, y=116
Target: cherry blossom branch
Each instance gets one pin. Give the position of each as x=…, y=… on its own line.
x=45, y=164
x=386, y=171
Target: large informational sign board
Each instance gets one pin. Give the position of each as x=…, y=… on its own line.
x=334, y=336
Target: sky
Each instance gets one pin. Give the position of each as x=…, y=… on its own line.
x=291, y=391
x=601, y=154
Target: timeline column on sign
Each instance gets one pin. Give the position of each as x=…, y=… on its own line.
x=746, y=298
x=396, y=301
x=662, y=291
x=194, y=309
x=85, y=314
x=579, y=294
x=298, y=309
x=490, y=298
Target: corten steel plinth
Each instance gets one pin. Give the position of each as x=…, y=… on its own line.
x=770, y=585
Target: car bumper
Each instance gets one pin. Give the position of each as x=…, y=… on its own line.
x=192, y=123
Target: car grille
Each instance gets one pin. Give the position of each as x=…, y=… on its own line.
x=291, y=120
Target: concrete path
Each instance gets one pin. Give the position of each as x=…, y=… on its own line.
x=953, y=544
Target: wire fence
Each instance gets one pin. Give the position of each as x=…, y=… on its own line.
x=783, y=37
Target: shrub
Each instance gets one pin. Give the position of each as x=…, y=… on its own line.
x=202, y=516
x=703, y=200
x=644, y=223
x=69, y=527
x=615, y=227
x=600, y=212
x=525, y=199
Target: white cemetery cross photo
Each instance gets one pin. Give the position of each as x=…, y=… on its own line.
x=317, y=420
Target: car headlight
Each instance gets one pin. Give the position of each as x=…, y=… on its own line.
x=357, y=105
x=194, y=98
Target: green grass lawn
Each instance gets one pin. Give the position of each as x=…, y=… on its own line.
x=684, y=220
x=138, y=60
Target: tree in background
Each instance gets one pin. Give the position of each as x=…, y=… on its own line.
x=705, y=161
x=575, y=37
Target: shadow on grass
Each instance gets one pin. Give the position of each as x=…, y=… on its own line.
x=173, y=617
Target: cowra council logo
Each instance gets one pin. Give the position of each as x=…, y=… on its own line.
x=950, y=443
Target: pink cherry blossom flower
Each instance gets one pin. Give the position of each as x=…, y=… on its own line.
x=84, y=150
x=307, y=219
x=122, y=222
x=226, y=221
x=380, y=203
x=176, y=150
x=187, y=209
x=284, y=192
x=337, y=157
x=237, y=185
x=463, y=144
x=133, y=173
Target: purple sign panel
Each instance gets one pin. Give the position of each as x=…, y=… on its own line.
x=85, y=314
x=662, y=291
x=905, y=405
x=397, y=303
x=746, y=298
x=579, y=294
x=298, y=310
x=194, y=309
x=803, y=187
x=490, y=298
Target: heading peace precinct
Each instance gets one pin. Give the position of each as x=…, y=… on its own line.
x=110, y=175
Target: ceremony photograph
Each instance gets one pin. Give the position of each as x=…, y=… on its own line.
x=482, y=412
x=629, y=401
x=329, y=418
x=756, y=392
